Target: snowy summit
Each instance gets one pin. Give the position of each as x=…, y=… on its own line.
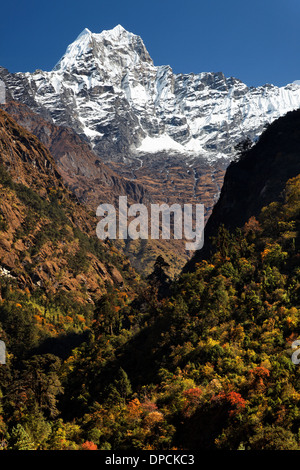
x=107, y=88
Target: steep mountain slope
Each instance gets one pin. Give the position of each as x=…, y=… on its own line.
x=171, y=136
x=47, y=238
x=256, y=179
x=87, y=176
x=212, y=366
x=93, y=183
x=209, y=367
x=174, y=133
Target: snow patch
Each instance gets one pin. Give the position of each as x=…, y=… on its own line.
x=159, y=144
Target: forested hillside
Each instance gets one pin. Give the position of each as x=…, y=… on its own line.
x=204, y=362
x=209, y=366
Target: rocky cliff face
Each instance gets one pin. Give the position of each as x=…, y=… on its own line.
x=47, y=238
x=257, y=179
x=93, y=182
x=86, y=175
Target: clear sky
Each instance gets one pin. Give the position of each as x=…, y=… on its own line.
x=256, y=41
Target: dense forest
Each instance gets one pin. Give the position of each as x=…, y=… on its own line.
x=204, y=361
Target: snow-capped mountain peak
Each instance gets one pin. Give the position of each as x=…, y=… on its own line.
x=117, y=32
x=107, y=88
x=75, y=50
x=83, y=33
x=103, y=46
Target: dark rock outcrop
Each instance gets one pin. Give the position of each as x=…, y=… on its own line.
x=255, y=180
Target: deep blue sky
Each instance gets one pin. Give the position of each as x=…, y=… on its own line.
x=256, y=41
